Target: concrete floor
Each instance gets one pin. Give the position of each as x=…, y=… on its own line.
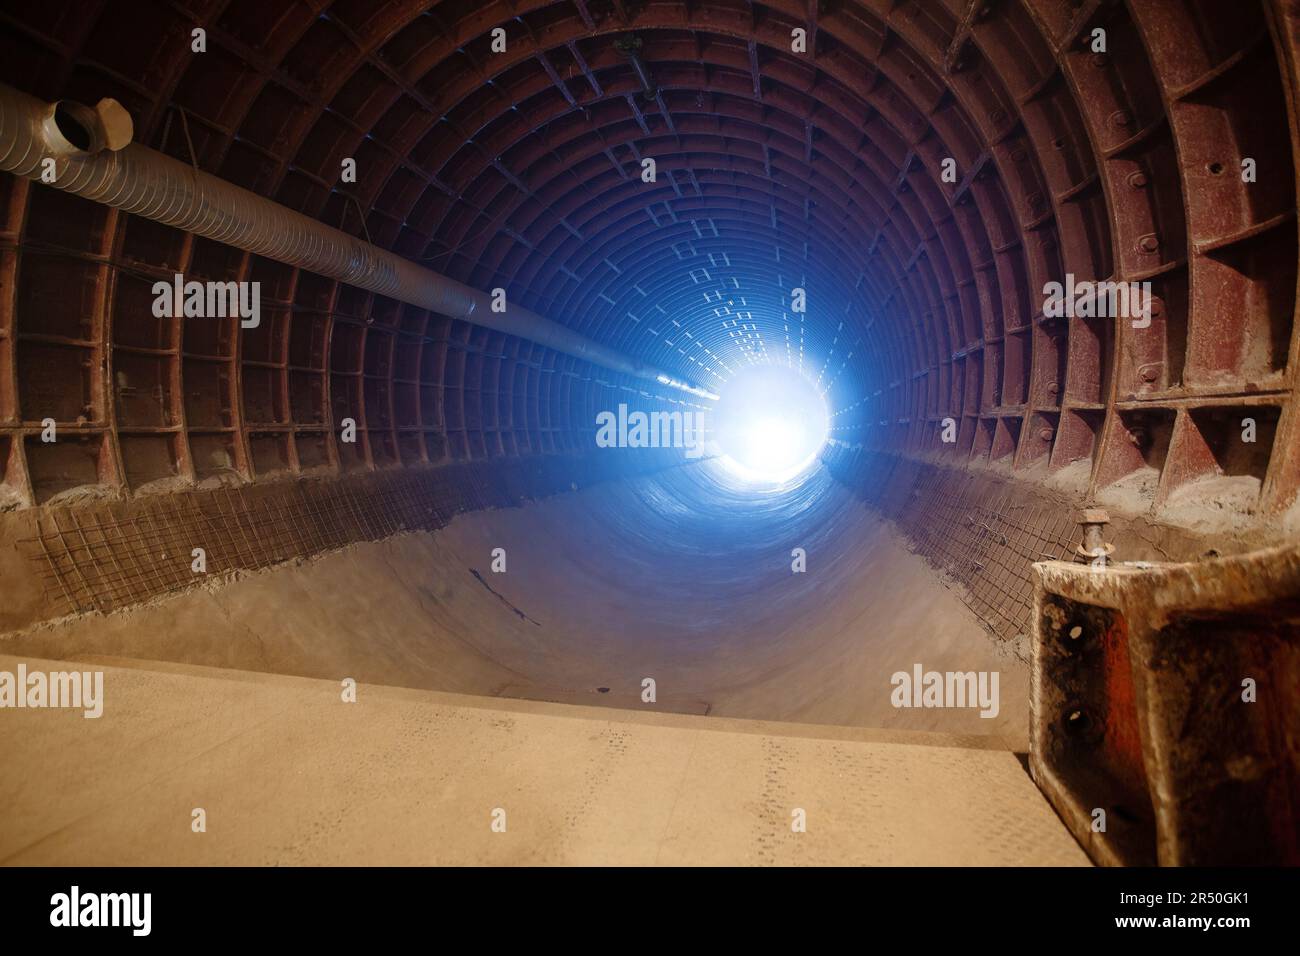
x=287, y=773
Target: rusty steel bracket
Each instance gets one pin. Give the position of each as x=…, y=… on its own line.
x=1165, y=707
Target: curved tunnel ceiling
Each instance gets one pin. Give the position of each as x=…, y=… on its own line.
x=776, y=168
x=923, y=170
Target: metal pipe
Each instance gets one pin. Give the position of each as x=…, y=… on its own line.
x=92, y=157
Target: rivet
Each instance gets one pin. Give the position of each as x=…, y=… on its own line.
x=1137, y=180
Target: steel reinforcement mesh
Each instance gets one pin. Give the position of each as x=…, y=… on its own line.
x=112, y=554
x=980, y=532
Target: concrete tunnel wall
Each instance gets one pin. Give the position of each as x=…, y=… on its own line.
x=672, y=576
x=778, y=170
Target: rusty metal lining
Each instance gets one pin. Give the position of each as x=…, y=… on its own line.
x=521, y=169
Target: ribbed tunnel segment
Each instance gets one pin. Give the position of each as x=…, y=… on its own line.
x=880, y=195
x=822, y=170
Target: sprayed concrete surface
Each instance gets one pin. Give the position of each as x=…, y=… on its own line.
x=600, y=592
x=288, y=773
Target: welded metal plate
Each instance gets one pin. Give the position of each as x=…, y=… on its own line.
x=1166, y=707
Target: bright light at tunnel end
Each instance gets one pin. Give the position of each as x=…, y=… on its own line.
x=770, y=424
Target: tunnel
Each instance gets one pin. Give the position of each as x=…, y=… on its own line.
x=649, y=431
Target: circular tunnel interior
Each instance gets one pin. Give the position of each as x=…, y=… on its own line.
x=891, y=225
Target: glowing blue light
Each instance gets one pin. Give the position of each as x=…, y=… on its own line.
x=770, y=423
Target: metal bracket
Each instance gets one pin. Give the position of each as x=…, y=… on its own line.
x=1167, y=697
